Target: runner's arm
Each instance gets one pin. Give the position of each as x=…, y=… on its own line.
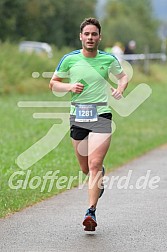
x=122, y=85
x=57, y=84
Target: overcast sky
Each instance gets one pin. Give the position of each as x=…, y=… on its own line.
x=159, y=8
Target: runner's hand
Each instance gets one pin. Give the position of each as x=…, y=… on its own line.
x=77, y=87
x=116, y=93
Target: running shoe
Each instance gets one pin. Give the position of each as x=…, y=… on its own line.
x=102, y=185
x=90, y=219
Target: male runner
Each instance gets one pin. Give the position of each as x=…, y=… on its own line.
x=90, y=116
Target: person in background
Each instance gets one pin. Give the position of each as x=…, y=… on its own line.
x=130, y=47
x=118, y=51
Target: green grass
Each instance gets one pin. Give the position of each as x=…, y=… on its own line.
x=136, y=134
x=145, y=128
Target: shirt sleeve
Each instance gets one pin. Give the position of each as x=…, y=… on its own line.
x=115, y=67
x=62, y=69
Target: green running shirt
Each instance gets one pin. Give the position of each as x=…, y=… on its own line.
x=93, y=73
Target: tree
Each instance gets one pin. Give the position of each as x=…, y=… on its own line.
x=50, y=21
x=128, y=19
x=9, y=11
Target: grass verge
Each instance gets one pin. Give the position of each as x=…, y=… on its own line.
x=136, y=134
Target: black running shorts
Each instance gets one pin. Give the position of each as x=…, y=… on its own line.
x=80, y=130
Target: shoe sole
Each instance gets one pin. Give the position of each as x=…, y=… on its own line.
x=103, y=171
x=89, y=224
x=101, y=192
x=102, y=185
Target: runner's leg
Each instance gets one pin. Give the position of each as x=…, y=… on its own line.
x=81, y=151
x=98, y=144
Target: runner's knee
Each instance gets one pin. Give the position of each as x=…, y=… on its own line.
x=85, y=169
x=95, y=165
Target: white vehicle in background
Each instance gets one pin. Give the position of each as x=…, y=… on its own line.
x=36, y=47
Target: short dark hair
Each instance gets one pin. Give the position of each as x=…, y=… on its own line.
x=90, y=21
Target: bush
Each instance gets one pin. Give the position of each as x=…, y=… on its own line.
x=16, y=69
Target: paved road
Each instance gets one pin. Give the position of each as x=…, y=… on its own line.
x=129, y=220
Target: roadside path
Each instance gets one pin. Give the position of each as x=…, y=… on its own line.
x=129, y=220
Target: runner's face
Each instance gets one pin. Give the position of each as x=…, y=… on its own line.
x=90, y=38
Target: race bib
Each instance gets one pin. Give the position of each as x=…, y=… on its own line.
x=86, y=113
